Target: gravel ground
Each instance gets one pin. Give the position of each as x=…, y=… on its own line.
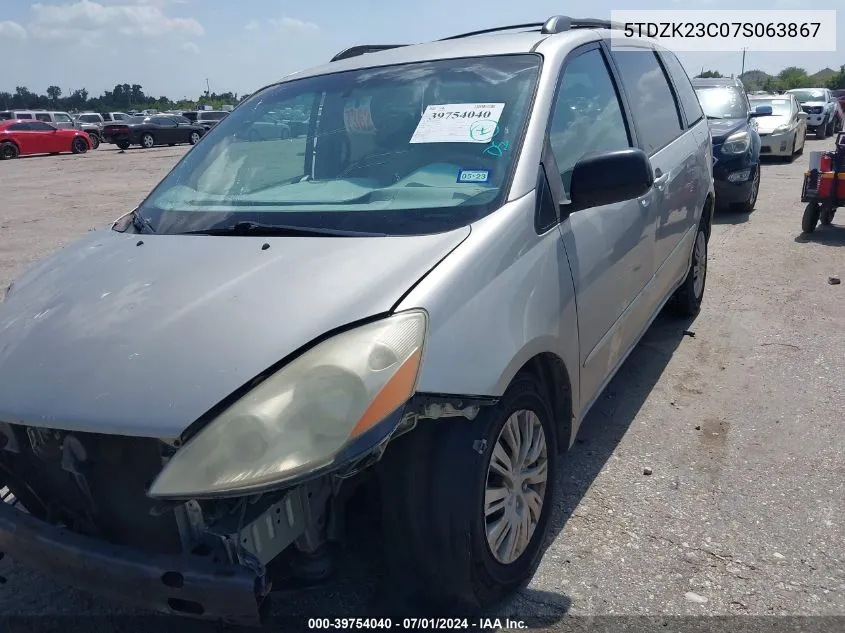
x=737, y=425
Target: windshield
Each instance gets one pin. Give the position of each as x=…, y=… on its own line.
x=780, y=107
x=808, y=95
x=722, y=102
x=410, y=149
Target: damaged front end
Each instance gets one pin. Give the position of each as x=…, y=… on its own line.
x=77, y=508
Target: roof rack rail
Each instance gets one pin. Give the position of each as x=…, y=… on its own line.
x=555, y=24
x=531, y=26
x=355, y=51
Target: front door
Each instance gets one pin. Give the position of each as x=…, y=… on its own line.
x=609, y=247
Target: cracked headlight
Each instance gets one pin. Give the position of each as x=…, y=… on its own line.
x=737, y=143
x=304, y=416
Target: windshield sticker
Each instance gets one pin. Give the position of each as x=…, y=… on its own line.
x=357, y=116
x=458, y=123
x=496, y=149
x=474, y=175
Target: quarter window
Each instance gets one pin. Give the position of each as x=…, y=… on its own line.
x=652, y=100
x=587, y=115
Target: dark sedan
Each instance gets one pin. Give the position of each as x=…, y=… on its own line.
x=151, y=131
x=736, y=142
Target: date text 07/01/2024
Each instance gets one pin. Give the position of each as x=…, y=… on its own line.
x=409, y=624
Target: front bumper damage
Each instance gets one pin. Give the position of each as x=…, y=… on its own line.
x=176, y=585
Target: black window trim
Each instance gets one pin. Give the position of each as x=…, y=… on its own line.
x=689, y=124
x=671, y=89
x=549, y=162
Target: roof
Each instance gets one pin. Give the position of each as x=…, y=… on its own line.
x=716, y=82
x=505, y=40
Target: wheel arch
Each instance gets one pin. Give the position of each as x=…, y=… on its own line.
x=551, y=372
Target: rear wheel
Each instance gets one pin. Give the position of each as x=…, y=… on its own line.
x=95, y=140
x=826, y=216
x=147, y=141
x=8, y=151
x=79, y=145
x=688, y=298
x=811, y=217
x=123, y=145
x=467, y=503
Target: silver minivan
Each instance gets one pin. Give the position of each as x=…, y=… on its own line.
x=420, y=296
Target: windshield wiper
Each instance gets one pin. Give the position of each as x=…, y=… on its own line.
x=141, y=224
x=275, y=230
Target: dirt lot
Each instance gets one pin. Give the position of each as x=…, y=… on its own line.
x=740, y=424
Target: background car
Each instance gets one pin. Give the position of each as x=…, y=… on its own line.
x=736, y=142
x=209, y=118
x=785, y=132
x=16, y=115
x=151, y=131
x=64, y=120
x=23, y=138
x=824, y=115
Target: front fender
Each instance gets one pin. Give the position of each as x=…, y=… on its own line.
x=502, y=297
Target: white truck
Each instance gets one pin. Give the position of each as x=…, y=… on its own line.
x=824, y=114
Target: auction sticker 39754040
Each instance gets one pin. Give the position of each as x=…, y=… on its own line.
x=459, y=123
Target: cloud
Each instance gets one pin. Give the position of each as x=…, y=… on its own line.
x=253, y=25
x=12, y=30
x=292, y=24
x=86, y=18
x=190, y=47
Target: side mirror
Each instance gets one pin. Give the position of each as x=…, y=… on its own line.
x=802, y=114
x=762, y=110
x=602, y=178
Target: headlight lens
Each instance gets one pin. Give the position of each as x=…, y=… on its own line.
x=737, y=143
x=300, y=418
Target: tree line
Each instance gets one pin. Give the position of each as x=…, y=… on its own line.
x=787, y=79
x=122, y=97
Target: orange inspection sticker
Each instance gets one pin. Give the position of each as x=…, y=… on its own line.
x=357, y=116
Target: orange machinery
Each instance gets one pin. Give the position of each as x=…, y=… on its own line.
x=824, y=186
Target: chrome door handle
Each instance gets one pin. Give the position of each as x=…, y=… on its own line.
x=660, y=182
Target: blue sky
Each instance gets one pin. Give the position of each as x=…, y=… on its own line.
x=170, y=47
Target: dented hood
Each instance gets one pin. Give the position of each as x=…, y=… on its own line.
x=115, y=337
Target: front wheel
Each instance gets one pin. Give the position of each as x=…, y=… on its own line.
x=195, y=138
x=748, y=205
x=811, y=217
x=8, y=151
x=79, y=145
x=688, y=298
x=147, y=141
x=831, y=128
x=467, y=503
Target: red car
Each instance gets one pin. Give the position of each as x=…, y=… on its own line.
x=21, y=138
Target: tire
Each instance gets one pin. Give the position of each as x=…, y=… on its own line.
x=830, y=128
x=821, y=131
x=79, y=145
x=147, y=141
x=748, y=205
x=434, y=485
x=793, y=154
x=195, y=138
x=687, y=299
x=810, y=217
x=826, y=216
x=9, y=151
x=95, y=140
x=124, y=145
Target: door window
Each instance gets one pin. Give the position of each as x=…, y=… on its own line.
x=587, y=115
x=42, y=116
x=39, y=126
x=686, y=93
x=62, y=118
x=652, y=100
